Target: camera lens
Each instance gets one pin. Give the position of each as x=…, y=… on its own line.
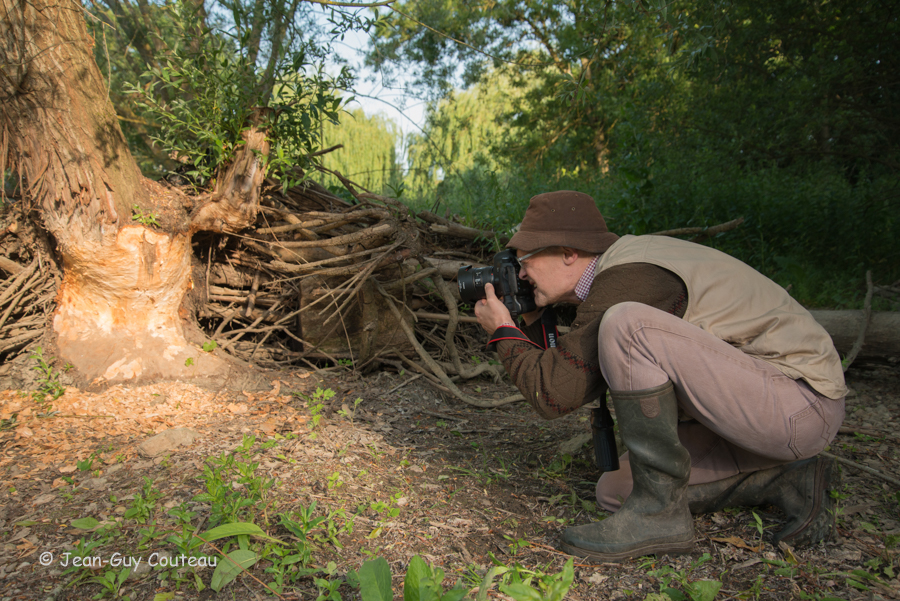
x=471, y=282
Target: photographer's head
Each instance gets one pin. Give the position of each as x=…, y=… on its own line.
x=560, y=234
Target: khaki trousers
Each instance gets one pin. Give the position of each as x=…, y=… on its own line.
x=740, y=414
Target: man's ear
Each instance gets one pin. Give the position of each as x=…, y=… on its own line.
x=570, y=255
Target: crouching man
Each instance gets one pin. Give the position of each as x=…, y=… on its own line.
x=725, y=389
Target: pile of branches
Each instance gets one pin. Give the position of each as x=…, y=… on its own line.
x=322, y=281
x=29, y=288
x=346, y=283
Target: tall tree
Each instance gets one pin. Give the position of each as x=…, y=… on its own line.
x=123, y=284
x=794, y=81
x=369, y=151
x=573, y=60
x=125, y=242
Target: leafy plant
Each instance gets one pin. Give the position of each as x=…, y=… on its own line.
x=49, y=385
x=144, y=503
x=350, y=413
x=85, y=465
x=697, y=590
x=422, y=582
x=220, y=474
x=334, y=481
x=550, y=587
x=112, y=582
x=316, y=403
x=208, y=91
x=516, y=543
x=328, y=589
x=145, y=219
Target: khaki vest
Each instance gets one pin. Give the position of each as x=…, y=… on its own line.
x=739, y=305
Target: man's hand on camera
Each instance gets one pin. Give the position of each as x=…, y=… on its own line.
x=491, y=312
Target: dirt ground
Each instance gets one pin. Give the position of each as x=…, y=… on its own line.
x=415, y=471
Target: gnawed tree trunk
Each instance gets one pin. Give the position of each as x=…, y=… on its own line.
x=117, y=315
x=234, y=204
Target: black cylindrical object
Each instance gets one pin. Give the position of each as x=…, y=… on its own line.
x=605, y=451
x=517, y=294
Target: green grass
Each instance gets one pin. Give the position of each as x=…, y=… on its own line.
x=811, y=230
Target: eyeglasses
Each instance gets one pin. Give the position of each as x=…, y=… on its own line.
x=523, y=258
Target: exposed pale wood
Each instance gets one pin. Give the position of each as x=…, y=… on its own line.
x=432, y=218
x=234, y=204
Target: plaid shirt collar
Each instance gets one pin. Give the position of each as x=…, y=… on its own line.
x=583, y=287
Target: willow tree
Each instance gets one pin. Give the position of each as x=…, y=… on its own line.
x=571, y=63
x=124, y=241
x=368, y=153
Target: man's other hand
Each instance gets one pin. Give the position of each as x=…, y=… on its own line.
x=491, y=312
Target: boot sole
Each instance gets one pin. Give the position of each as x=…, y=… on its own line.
x=667, y=548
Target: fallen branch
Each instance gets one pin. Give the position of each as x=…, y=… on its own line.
x=320, y=219
x=432, y=218
x=867, y=316
x=404, y=383
x=13, y=303
x=10, y=266
x=702, y=232
x=882, y=334
x=469, y=233
x=17, y=281
x=433, y=365
x=862, y=468
x=379, y=231
x=429, y=377
x=851, y=429
x=299, y=268
x=19, y=341
x=403, y=282
x=443, y=317
x=449, y=335
x=888, y=292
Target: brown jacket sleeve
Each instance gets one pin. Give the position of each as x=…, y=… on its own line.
x=557, y=381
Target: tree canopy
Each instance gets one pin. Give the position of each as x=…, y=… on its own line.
x=678, y=113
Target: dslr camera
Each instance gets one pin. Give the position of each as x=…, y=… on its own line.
x=517, y=294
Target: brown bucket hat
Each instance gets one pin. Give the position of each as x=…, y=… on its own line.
x=563, y=218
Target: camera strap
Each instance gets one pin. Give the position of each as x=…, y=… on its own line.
x=548, y=328
x=548, y=325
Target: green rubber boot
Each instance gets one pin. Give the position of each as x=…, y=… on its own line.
x=655, y=518
x=799, y=489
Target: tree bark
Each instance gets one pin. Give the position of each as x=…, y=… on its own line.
x=117, y=312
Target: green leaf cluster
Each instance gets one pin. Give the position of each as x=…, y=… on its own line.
x=209, y=90
x=671, y=114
